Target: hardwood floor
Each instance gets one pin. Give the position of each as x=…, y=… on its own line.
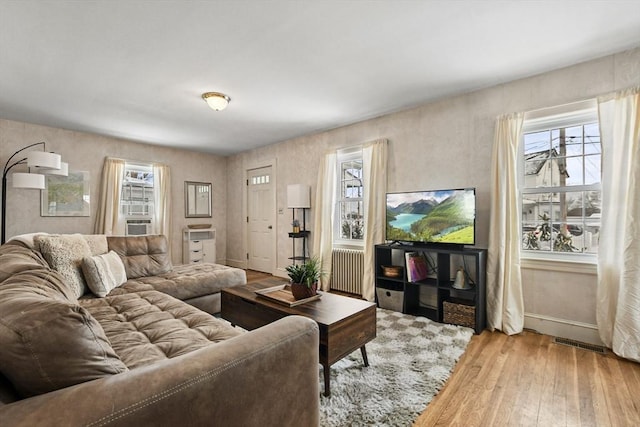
x=527, y=380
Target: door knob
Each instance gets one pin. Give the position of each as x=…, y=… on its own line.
x=270, y=227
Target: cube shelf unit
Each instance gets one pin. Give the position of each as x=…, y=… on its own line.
x=426, y=297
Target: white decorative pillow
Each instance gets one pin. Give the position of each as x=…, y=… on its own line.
x=104, y=273
x=97, y=243
x=64, y=253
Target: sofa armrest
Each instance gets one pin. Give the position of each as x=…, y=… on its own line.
x=265, y=377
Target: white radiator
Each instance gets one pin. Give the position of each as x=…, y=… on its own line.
x=347, y=267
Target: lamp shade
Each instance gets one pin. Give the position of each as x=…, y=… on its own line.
x=217, y=101
x=63, y=171
x=298, y=196
x=28, y=180
x=44, y=160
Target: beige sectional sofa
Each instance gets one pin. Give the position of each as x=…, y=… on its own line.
x=148, y=265
x=140, y=355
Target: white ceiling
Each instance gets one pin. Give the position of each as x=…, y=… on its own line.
x=136, y=69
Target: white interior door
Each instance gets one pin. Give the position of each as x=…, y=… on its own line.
x=261, y=219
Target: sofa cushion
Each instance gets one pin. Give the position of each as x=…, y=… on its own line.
x=142, y=255
x=15, y=258
x=148, y=326
x=193, y=280
x=103, y=273
x=48, y=342
x=65, y=253
x=26, y=239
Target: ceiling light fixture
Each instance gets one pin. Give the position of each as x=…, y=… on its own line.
x=216, y=100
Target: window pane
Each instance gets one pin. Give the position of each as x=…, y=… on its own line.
x=574, y=175
x=345, y=229
x=558, y=168
x=593, y=169
x=537, y=171
x=351, y=220
x=536, y=142
x=352, y=189
x=592, y=205
x=573, y=142
x=555, y=141
x=592, y=139
x=351, y=170
x=536, y=221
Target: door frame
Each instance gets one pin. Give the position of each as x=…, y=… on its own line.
x=245, y=209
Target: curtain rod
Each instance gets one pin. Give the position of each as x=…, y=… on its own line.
x=142, y=162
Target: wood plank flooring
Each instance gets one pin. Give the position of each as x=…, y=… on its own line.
x=527, y=380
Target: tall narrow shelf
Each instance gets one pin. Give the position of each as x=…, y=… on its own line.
x=302, y=235
x=427, y=297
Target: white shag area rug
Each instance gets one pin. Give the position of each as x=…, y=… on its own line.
x=409, y=361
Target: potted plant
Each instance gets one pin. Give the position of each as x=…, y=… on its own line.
x=304, y=278
x=296, y=226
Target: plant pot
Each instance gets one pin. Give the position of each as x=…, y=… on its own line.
x=301, y=291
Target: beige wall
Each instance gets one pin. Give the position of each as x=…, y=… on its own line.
x=446, y=144
x=86, y=152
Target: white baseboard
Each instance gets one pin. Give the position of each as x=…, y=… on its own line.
x=237, y=263
x=281, y=272
x=583, y=332
x=243, y=264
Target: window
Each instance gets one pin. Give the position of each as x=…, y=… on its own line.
x=560, y=187
x=350, y=206
x=137, y=190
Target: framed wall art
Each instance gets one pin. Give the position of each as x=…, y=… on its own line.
x=66, y=195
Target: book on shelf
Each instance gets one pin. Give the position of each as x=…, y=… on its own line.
x=417, y=266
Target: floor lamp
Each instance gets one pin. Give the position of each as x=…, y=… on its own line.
x=42, y=161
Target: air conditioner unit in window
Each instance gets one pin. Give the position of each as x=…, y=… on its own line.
x=138, y=227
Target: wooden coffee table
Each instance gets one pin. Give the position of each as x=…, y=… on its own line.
x=346, y=324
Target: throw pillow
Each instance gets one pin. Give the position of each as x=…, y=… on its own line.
x=65, y=253
x=97, y=243
x=104, y=273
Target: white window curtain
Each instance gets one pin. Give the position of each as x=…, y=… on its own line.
x=324, y=215
x=618, y=295
x=374, y=165
x=374, y=159
x=109, y=220
x=505, y=303
x=162, y=200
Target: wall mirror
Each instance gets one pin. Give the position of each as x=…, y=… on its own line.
x=197, y=199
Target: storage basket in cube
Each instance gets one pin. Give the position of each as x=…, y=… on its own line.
x=459, y=314
x=390, y=299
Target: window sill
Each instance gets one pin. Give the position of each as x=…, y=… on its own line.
x=352, y=246
x=582, y=266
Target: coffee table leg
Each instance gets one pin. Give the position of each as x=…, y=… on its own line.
x=327, y=375
x=364, y=356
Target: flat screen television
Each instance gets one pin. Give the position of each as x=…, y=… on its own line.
x=435, y=217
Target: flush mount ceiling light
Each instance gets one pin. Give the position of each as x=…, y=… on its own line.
x=216, y=100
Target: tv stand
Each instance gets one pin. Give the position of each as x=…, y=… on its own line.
x=434, y=296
